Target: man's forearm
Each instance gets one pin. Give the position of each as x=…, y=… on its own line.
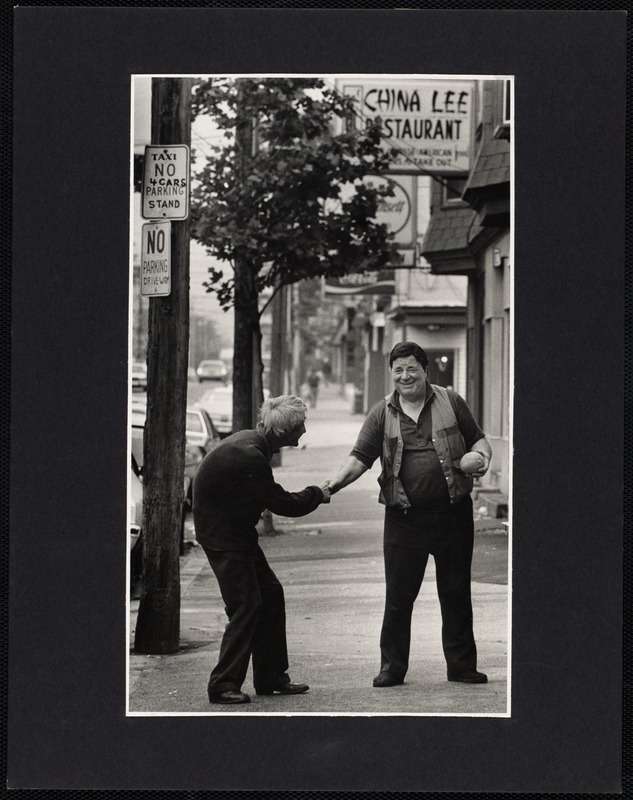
x=351, y=470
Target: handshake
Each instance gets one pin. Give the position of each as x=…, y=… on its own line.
x=327, y=494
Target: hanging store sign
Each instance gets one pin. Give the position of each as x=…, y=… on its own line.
x=397, y=211
x=379, y=282
x=429, y=122
x=156, y=259
x=166, y=182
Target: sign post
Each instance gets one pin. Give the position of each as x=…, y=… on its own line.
x=165, y=202
x=156, y=259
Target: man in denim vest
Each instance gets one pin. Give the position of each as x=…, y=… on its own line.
x=430, y=448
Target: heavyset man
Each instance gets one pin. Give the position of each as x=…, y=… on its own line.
x=430, y=448
x=233, y=485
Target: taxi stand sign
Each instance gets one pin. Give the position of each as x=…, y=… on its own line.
x=166, y=182
x=156, y=259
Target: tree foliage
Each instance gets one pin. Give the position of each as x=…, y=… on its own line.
x=287, y=207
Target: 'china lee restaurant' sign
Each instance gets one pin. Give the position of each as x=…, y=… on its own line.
x=430, y=122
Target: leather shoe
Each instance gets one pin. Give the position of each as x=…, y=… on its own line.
x=229, y=697
x=387, y=679
x=286, y=688
x=469, y=676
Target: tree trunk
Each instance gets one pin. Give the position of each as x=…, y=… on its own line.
x=248, y=390
x=158, y=623
x=258, y=372
x=258, y=398
x=278, y=344
x=246, y=317
x=245, y=320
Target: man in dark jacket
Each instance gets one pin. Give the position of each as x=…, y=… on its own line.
x=233, y=485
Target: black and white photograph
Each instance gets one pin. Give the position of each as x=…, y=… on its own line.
x=316, y=377
x=321, y=395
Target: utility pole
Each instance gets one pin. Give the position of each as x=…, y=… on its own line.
x=158, y=623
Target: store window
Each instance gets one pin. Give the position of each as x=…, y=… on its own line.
x=507, y=102
x=502, y=131
x=441, y=367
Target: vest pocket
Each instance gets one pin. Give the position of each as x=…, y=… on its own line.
x=448, y=432
x=390, y=488
x=389, y=449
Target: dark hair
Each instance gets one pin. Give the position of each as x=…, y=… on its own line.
x=404, y=349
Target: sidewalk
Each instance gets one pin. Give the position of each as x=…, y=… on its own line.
x=330, y=564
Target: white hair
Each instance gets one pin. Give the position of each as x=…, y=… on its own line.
x=280, y=415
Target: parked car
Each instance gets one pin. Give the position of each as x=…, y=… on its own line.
x=193, y=456
x=138, y=410
x=201, y=431
x=218, y=403
x=136, y=519
x=212, y=370
x=139, y=376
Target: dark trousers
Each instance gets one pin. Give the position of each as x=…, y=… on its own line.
x=409, y=540
x=254, y=604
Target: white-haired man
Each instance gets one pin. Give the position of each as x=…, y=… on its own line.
x=233, y=485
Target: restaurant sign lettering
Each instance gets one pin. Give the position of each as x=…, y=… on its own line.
x=428, y=121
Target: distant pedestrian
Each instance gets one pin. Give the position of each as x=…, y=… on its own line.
x=233, y=485
x=313, y=379
x=326, y=370
x=430, y=448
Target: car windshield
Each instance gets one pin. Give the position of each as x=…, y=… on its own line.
x=194, y=423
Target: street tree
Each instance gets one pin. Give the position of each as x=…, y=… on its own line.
x=282, y=200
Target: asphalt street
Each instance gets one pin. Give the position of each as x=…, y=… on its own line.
x=330, y=564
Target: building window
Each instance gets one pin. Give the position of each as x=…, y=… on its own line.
x=478, y=112
x=453, y=188
x=507, y=102
x=502, y=131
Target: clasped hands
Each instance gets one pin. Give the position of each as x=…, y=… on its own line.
x=325, y=488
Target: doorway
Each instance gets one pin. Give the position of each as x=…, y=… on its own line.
x=441, y=367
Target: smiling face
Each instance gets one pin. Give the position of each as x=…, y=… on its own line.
x=409, y=378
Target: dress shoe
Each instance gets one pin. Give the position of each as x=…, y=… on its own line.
x=469, y=676
x=387, y=679
x=285, y=688
x=229, y=697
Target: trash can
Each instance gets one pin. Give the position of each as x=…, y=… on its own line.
x=358, y=401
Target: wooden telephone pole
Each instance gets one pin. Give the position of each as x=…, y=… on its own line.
x=158, y=623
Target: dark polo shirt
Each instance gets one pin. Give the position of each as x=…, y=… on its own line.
x=421, y=472
x=233, y=485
